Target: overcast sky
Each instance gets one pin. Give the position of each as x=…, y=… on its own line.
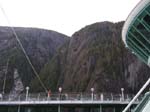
x=65, y=16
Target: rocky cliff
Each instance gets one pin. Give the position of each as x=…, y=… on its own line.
x=40, y=45
x=95, y=57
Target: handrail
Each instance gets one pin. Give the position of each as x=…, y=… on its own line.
x=67, y=97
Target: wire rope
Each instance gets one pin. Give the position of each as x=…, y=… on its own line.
x=21, y=46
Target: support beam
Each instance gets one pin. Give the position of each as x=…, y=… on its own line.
x=100, y=108
x=59, y=109
x=114, y=110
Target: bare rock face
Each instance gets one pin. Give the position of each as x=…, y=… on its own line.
x=40, y=45
x=17, y=86
x=95, y=57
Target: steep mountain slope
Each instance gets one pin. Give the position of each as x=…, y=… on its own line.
x=40, y=46
x=98, y=58
x=95, y=57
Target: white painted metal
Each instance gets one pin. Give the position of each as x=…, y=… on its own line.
x=137, y=95
x=131, y=17
x=71, y=99
x=62, y=102
x=27, y=93
x=148, y=61
x=147, y=107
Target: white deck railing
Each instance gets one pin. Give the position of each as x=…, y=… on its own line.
x=65, y=98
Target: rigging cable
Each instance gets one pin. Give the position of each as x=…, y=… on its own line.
x=27, y=57
x=6, y=71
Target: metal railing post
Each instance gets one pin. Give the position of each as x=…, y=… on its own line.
x=1, y=97
x=122, y=93
x=92, y=94
x=9, y=97
x=81, y=97
x=19, y=98
x=112, y=97
x=102, y=97
x=27, y=93
x=38, y=97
